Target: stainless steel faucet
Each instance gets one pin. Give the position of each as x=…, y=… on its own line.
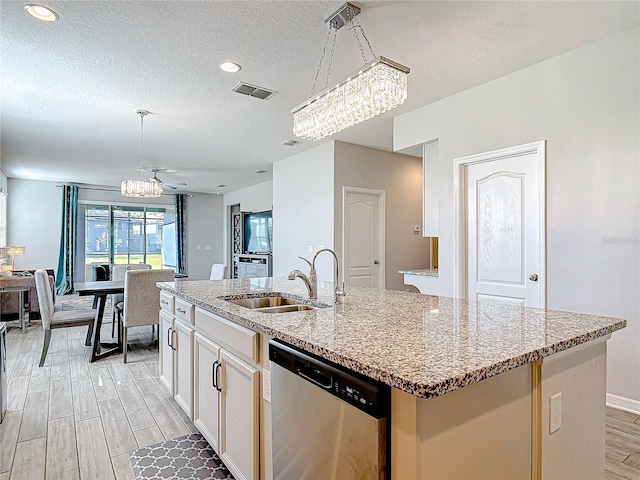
x=311, y=281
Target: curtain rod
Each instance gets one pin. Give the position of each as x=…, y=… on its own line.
x=115, y=191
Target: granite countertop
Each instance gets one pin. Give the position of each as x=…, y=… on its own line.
x=421, y=344
x=425, y=272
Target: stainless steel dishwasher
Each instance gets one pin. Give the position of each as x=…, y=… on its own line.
x=327, y=422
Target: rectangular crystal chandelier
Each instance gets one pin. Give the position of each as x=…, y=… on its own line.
x=376, y=87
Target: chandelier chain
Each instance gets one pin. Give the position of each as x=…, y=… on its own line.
x=142, y=114
x=324, y=50
x=333, y=49
x=355, y=24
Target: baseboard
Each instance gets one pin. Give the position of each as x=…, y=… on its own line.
x=623, y=403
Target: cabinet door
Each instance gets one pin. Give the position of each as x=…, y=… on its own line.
x=165, y=338
x=239, y=416
x=263, y=271
x=183, y=380
x=206, y=404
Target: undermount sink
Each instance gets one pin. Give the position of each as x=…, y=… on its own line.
x=275, y=304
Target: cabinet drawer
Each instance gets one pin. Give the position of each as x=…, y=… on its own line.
x=183, y=311
x=235, y=337
x=166, y=302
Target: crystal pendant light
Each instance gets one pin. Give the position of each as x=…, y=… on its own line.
x=149, y=188
x=378, y=86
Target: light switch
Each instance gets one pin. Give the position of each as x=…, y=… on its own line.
x=310, y=249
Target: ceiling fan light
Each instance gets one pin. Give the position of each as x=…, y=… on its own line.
x=41, y=12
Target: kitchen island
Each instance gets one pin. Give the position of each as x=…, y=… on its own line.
x=471, y=382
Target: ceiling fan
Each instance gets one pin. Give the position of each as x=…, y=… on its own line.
x=166, y=185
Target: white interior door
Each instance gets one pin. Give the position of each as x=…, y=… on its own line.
x=505, y=229
x=363, y=237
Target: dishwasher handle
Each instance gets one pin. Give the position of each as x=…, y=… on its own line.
x=315, y=376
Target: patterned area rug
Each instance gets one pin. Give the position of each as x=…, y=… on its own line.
x=189, y=457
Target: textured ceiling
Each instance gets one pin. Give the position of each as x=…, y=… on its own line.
x=70, y=88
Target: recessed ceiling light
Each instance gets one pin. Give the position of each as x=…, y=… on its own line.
x=259, y=171
x=230, y=67
x=221, y=185
x=41, y=12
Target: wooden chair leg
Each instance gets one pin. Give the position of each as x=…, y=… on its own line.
x=45, y=346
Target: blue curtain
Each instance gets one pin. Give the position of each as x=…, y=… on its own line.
x=68, y=236
x=180, y=204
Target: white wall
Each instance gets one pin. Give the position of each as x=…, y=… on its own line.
x=204, y=229
x=586, y=104
x=303, y=209
x=33, y=221
x=400, y=176
x=256, y=198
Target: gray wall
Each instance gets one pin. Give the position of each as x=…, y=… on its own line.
x=303, y=209
x=205, y=222
x=586, y=104
x=400, y=176
x=33, y=221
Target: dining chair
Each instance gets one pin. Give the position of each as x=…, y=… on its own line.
x=141, y=299
x=117, y=274
x=218, y=271
x=58, y=319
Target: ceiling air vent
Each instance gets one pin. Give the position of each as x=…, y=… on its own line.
x=291, y=142
x=253, y=91
x=220, y=185
x=259, y=171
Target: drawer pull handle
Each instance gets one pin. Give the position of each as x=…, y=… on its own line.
x=169, y=337
x=218, y=376
x=164, y=302
x=180, y=310
x=214, y=369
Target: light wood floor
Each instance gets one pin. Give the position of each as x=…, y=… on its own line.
x=622, y=445
x=73, y=419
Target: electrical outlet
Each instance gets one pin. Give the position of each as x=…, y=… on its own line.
x=320, y=247
x=555, y=412
x=310, y=249
x=416, y=229
x=207, y=247
x=266, y=385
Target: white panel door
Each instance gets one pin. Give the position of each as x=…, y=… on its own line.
x=239, y=383
x=503, y=231
x=165, y=339
x=184, y=366
x=364, y=252
x=206, y=402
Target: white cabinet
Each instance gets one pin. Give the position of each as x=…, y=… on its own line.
x=165, y=339
x=176, y=358
x=239, y=394
x=226, y=405
x=183, y=367
x=206, y=401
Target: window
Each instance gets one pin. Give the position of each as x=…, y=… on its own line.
x=118, y=234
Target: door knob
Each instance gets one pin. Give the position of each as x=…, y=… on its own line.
x=376, y=262
x=533, y=277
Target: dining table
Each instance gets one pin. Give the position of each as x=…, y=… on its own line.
x=100, y=290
